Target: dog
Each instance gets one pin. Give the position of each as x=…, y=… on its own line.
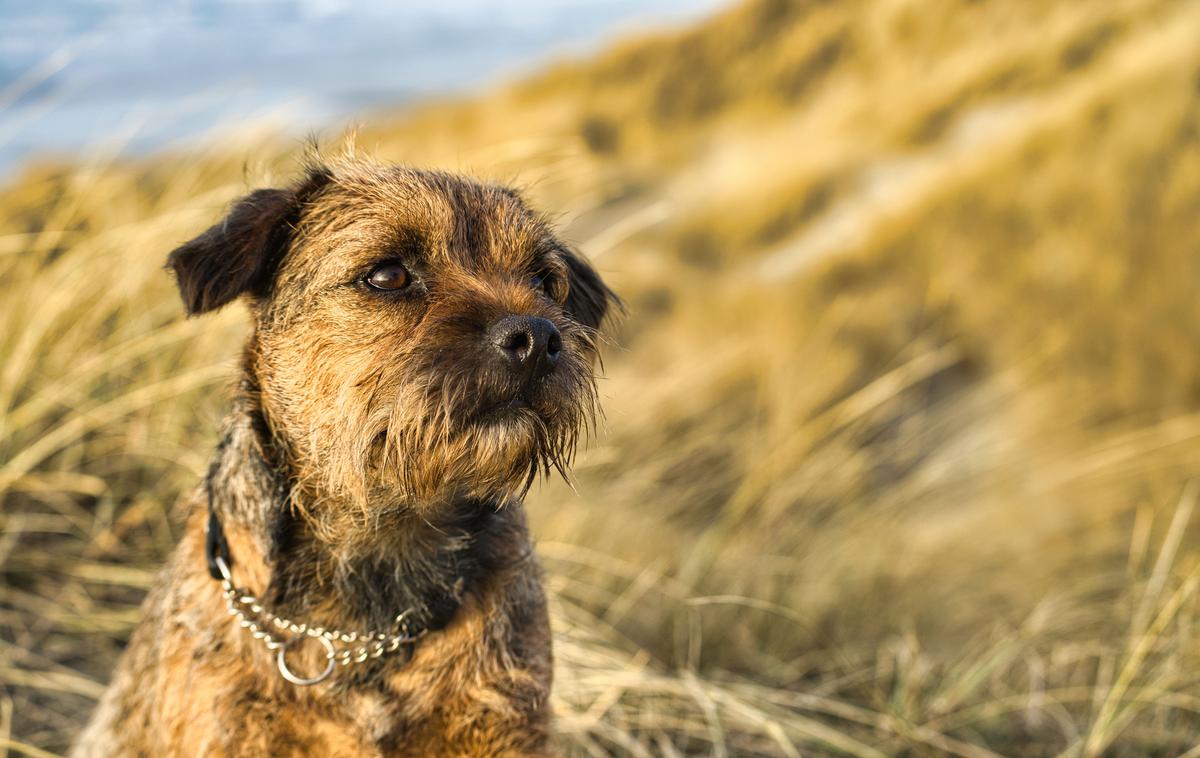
x=356, y=576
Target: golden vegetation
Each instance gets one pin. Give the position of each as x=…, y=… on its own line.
x=900, y=428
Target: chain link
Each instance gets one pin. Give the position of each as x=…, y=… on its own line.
x=242, y=606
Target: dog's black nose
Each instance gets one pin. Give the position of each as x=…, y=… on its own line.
x=529, y=344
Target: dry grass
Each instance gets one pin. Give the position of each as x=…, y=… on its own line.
x=903, y=430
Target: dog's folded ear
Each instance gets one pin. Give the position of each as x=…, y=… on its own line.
x=589, y=299
x=240, y=254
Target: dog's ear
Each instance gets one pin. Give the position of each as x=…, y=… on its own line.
x=240, y=254
x=589, y=299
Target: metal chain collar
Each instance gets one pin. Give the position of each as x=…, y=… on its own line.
x=242, y=605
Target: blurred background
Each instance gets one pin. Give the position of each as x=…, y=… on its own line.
x=902, y=447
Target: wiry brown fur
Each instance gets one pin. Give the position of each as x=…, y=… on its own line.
x=373, y=463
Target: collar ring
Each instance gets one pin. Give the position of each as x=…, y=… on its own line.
x=281, y=661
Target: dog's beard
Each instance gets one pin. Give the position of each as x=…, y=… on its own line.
x=446, y=435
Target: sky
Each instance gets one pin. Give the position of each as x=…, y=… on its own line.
x=80, y=75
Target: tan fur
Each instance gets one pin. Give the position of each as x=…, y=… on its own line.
x=361, y=469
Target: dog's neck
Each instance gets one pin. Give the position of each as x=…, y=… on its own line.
x=423, y=566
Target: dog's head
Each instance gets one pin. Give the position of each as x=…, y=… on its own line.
x=416, y=334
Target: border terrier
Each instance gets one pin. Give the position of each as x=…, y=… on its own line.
x=356, y=576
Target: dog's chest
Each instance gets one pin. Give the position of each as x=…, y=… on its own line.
x=410, y=725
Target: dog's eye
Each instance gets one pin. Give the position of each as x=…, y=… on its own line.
x=389, y=277
x=541, y=282
x=550, y=284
